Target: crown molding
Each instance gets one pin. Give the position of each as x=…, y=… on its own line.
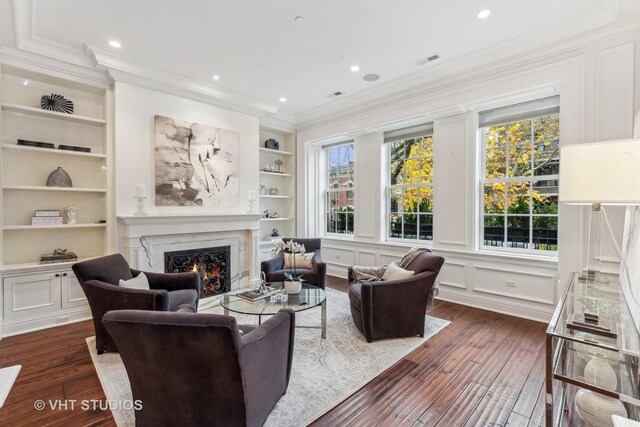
x=20, y=59
x=462, y=71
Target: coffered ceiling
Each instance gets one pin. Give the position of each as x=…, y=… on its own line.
x=261, y=53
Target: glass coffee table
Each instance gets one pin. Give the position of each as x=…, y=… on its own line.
x=310, y=296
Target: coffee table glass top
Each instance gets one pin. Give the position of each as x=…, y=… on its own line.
x=309, y=297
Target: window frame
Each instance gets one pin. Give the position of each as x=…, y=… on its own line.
x=530, y=179
x=390, y=187
x=328, y=190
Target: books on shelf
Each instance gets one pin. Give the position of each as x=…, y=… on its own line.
x=256, y=295
x=46, y=217
x=58, y=257
x=38, y=144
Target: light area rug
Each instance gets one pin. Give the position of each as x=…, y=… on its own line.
x=324, y=372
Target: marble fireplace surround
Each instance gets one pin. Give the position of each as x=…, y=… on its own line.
x=145, y=239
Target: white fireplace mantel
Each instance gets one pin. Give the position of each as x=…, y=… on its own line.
x=144, y=238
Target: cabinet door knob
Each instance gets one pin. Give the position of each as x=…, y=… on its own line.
x=57, y=274
x=64, y=274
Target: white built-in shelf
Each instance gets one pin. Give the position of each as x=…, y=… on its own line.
x=52, y=114
x=269, y=196
x=274, y=173
x=44, y=188
x=33, y=266
x=14, y=147
x=270, y=151
x=276, y=219
x=53, y=227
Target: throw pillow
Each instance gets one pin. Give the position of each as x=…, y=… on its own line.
x=393, y=272
x=138, y=282
x=300, y=260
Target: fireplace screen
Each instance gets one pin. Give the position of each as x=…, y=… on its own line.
x=213, y=264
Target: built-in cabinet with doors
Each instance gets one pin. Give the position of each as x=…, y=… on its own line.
x=36, y=295
x=277, y=188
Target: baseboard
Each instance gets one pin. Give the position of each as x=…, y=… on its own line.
x=18, y=327
x=511, y=308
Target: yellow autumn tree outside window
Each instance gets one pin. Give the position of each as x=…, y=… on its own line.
x=520, y=183
x=411, y=188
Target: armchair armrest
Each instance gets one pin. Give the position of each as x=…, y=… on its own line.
x=105, y=297
x=320, y=267
x=172, y=281
x=266, y=353
x=273, y=264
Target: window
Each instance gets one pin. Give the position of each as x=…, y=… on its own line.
x=340, y=196
x=410, y=183
x=520, y=163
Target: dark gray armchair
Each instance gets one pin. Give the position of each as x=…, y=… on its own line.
x=274, y=268
x=197, y=370
x=100, y=277
x=394, y=308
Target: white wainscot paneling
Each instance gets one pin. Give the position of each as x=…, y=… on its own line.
x=72, y=293
x=537, y=286
x=453, y=274
x=338, y=256
x=388, y=258
x=366, y=258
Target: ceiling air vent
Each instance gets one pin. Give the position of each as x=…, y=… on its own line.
x=334, y=94
x=428, y=59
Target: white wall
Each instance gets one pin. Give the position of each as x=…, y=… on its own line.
x=135, y=109
x=598, y=87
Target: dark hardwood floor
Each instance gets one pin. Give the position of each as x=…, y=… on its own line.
x=485, y=369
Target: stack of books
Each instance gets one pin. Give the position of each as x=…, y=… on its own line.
x=44, y=217
x=58, y=255
x=256, y=295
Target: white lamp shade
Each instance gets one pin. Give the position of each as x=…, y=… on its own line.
x=600, y=172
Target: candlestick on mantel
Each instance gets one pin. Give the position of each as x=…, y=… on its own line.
x=141, y=193
x=252, y=199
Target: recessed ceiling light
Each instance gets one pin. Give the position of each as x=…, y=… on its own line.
x=355, y=68
x=283, y=99
x=216, y=77
x=299, y=19
x=25, y=83
x=484, y=14
x=114, y=43
x=371, y=77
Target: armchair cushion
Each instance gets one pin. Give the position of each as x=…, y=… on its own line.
x=393, y=272
x=138, y=282
x=298, y=260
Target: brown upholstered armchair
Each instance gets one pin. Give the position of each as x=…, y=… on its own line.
x=274, y=268
x=100, y=277
x=197, y=370
x=394, y=308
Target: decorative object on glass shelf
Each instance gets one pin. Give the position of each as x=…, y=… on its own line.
x=273, y=191
x=265, y=213
x=279, y=163
x=274, y=215
x=251, y=199
x=600, y=373
x=59, y=178
x=57, y=103
x=262, y=190
x=275, y=233
x=596, y=409
x=598, y=174
x=70, y=214
x=141, y=194
x=37, y=144
x=272, y=144
x=292, y=283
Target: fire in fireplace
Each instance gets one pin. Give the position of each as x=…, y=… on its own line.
x=213, y=264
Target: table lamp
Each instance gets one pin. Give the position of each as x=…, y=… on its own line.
x=596, y=174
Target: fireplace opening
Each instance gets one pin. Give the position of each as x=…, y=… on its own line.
x=213, y=264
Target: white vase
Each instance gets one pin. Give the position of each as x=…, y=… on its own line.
x=600, y=373
x=292, y=286
x=596, y=409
